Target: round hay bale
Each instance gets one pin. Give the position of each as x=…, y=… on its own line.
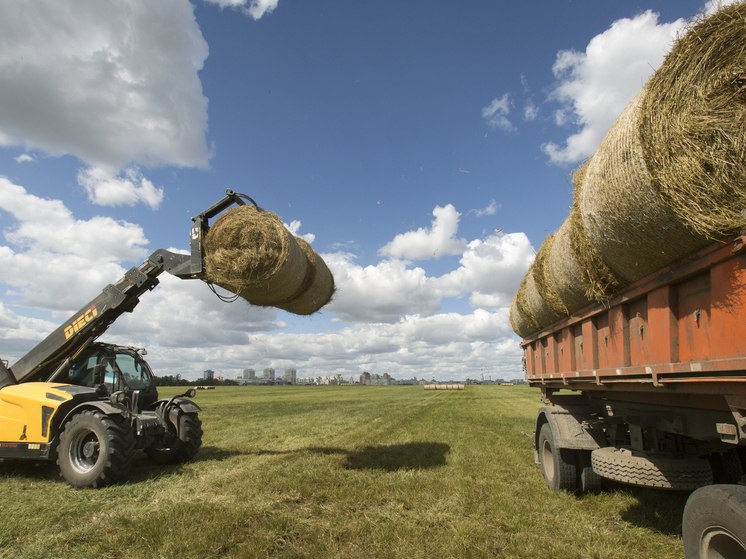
x=520, y=326
x=598, y=279
x=544, y=281
x=540, y=310
x=693, y=125
x=566, y=272
x=521, y=319
x=318, y=286
x=632, y=231
x=249, y=252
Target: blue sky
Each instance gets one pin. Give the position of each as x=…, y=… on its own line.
x=422, y=147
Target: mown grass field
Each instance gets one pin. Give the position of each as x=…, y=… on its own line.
x=347, y=472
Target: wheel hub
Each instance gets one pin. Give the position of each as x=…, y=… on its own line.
x=90, y=449
x=719, y=543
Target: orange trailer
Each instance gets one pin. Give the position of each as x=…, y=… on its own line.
x=649, y=388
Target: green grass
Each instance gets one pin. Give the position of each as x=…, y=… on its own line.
x=347, y=472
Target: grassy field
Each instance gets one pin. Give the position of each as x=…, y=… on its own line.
x=348, y=472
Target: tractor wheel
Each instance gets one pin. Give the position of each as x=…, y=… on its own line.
x=714, y=525
x=557, y=465
x=173, y=449
x=95, y=449
x=650, y=469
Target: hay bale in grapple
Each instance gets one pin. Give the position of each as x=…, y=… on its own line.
x=693, y=125
x=318, y=286
x=249, y=252
x=629, y=227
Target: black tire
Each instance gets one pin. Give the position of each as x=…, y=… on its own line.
x=589, y=481
x=726, y=467
x=557, y=465
x=174, y=449
x=95, y=449
x=661, y=470
x=714, y=525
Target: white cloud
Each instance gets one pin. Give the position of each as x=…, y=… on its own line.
x=446, y=346
x=23, y=158
x=496, y=113
x=491, y=270
x=381, y=293
x=107, y=189
x=530, y=111
x=424, y=243
x=294, y=227
x=60, y=262
x=491, y=209
x=596, y=85
x=256, y=8
x=186, y=313
x=112, y=83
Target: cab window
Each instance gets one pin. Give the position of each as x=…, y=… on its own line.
x=134, y=372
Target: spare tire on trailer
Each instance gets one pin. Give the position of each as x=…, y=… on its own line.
x=652, y=469
x=714, y=523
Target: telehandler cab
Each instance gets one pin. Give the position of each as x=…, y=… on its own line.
x=90, y=405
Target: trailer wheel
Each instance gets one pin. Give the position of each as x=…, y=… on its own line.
x=589, y=481
x=95, y=449
x=174, y=449
x=726, y=467
x=557, y=465
x=662, y=470
x=714, y=525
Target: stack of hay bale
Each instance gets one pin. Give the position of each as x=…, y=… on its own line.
x=668, y=179
x=249, y=252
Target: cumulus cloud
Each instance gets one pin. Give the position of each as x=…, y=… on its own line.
x=496, y=113
x=23, y=158
x=20, y=332
x=424, y=243
x=127, y=189
x=491, y=270
x=255, y=8
x=595, y=86
x=446, y=346
x=112, y=83
x=186, y=313
x=55, y=261
x=381, y=293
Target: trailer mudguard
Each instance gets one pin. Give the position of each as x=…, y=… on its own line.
x=572, y=430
